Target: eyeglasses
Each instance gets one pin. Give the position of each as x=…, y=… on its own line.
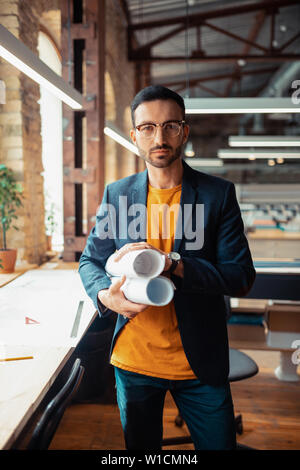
x=170, y=129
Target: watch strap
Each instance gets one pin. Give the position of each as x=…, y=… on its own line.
x=173, y=266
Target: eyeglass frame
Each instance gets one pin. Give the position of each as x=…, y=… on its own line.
x=181, y=122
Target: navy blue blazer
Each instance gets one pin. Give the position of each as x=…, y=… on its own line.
x=220, y=265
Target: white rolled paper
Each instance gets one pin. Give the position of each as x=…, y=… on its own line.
x=157, y=291
x=145, y=263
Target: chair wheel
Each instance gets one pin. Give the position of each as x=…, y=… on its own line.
x=178, y=421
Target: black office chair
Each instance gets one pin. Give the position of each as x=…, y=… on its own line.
x=46, y=426
x=241, y=367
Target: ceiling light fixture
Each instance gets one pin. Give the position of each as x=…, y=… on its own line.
x=21, y=57
x=111, y=131
x=189, y=150
x=240, y=105
x=264, y=141
x=243, y=153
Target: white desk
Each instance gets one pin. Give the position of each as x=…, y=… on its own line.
x=37, y=314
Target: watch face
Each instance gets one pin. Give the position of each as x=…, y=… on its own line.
x=175, y=256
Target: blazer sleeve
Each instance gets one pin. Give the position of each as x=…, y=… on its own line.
x=232, y=273
x=100, y=245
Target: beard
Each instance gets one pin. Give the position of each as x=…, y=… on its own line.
x=164, y=160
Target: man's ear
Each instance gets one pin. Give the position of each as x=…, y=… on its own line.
x=133, y=136
x=186, y=131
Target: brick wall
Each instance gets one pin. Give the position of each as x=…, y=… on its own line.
x=20, y=144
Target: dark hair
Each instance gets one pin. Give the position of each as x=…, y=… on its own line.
x=156, y=92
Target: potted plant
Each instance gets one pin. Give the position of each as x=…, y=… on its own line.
x=50, y=224
x=10, y=201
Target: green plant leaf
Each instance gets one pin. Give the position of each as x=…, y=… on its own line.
x=11, y=195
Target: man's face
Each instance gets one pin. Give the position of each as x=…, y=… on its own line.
x=161, y=150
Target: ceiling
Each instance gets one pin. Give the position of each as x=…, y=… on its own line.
x=225, y=48
x=204, y=61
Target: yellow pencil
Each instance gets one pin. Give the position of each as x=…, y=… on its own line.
x=6, y=359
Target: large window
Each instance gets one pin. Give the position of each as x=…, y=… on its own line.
x=51, y=118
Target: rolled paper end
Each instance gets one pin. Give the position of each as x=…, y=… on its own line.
x=144, y=263
x=148, y=263
x=156, y=291
x=160, y=291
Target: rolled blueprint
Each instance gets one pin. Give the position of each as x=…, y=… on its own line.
x=157, y=291
x=145, y=263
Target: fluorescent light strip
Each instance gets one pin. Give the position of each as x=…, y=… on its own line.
x=203, y=162
x=227, y=153
x=240, y=105
x=117, y=137
x=21, y=57
x=264, y=141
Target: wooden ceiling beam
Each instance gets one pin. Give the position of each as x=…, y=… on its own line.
x=209, y=90
x=220, y=58
x=259, y=21
x=223, y=76
x=234, y=36
x=220, y=13
x=159, y=39
x=287, y=43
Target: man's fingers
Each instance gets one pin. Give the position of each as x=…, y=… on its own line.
x=115, y=289
x=115, y=286
x=130, y=247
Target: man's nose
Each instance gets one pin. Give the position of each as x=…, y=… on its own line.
x=159, y=138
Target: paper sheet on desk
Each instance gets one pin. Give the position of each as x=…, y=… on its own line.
x=50, y=298
x=17, y=377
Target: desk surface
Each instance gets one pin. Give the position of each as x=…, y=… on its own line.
x=273, y=234
x=276, y=279
x=50, y=299
x=20, y=269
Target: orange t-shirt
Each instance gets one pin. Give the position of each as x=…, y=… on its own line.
x=150, y=343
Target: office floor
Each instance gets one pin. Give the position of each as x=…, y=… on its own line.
x=270, y=410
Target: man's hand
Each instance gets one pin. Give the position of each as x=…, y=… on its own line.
x=114, y=299
x=141, y=246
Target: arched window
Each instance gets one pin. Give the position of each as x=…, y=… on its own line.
x=111, y=164
x=52, y=151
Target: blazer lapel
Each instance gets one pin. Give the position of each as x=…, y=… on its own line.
x=187, y=205
x=137, y=230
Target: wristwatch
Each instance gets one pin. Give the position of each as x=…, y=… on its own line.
x=175, y=258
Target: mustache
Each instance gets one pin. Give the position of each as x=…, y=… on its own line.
x=161, y=147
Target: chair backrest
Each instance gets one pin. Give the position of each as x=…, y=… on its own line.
x=51, y=417
x=241, y=366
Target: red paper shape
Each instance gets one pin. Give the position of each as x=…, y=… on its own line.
x=30, y=321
